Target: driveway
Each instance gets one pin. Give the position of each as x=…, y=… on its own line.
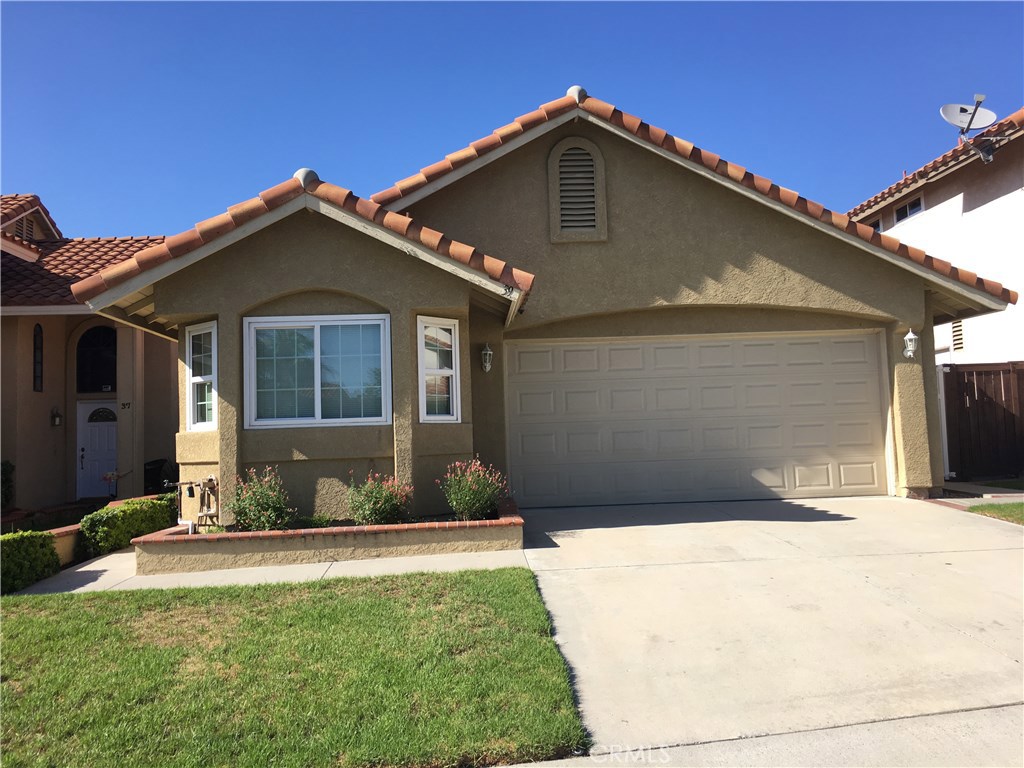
x=693, y=623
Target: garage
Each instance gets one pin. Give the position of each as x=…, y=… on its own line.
x=697, y=418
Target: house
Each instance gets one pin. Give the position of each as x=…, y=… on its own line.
x=82, y=394
x=968, y=205
x=602, y=309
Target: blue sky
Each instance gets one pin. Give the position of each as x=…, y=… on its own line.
x=143, y=118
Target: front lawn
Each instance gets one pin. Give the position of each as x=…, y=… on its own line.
x=413, y=670
x=1012, y=512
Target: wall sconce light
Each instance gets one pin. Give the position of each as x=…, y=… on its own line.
x=910, y=344
x=55, y=418
x=487, y=358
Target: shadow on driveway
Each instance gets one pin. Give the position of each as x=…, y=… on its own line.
x=541, y=523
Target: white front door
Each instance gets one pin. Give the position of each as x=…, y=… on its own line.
x=97, y=448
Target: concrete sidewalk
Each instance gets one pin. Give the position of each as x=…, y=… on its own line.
x=116, y=571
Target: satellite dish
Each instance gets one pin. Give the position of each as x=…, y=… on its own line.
x=967, y=117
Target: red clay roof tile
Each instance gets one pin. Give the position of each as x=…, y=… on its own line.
x=48, y=281
x=13, y=206
x=1003, y=128
x=205, y=232
x=687, y=151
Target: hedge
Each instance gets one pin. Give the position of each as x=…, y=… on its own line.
x=25, y=558
x=113, y=528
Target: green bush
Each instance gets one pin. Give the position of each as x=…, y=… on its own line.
x=25, y=558
x=261, y=503
x=318, y=520
x=113, y=528
x=380, y=500
x=473, y=491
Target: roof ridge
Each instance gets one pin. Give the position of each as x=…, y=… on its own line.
x=305, y=181
x=577, y=98
x=1011, y=122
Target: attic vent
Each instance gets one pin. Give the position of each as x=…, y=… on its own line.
x=577, y=190
x=25, y=228
x=958, y=335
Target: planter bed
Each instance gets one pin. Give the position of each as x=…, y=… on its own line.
x=174, y=550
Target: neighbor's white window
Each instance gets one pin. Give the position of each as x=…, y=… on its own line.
x=317, y=371
x=915, y=206
x=201, y=349
x=438, y=342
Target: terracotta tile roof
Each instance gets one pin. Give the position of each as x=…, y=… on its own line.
x=1001, y=129
x=684, y=149
x=48, y=281
x=12, y=206
x=208, y=231
x=14, y=240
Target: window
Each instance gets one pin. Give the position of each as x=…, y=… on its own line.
x=317, y=371
x=96, y=360
x=37, y=358
x=876, y=225
x=201, y=348
x=908, y=210
x=576, y=192
x=438, y=344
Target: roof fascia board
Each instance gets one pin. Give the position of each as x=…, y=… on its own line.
x=482, y=161
x=972, y=294
x=422, y=253
x=514, y=308
x=46, y=309
x=954, y=164
x=20, y=251
x=118, y=315
x=144, y=279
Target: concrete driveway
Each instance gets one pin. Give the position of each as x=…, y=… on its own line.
x=694, y=623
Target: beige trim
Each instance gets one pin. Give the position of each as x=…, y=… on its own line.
x=49, y=309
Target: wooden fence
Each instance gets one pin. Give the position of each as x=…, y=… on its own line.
x=984, y=424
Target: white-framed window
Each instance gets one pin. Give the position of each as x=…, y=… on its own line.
x=201, y=363
x=438, y=345
x=876, y=224
x=909, y=209
x=317, y=370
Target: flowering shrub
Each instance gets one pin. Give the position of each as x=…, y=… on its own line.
x=473, y=491
x=261, y=502
x=381, y=499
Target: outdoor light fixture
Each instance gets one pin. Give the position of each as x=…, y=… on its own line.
x=910, y=344
x=486, y=358
x=55, y=418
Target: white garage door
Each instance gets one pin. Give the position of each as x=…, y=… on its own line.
x=698, y=418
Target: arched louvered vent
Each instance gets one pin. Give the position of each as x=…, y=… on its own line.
x=577, y=190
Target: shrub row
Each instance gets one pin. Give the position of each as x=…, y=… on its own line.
x=113, y=528
x=25, y=558
x=473, y=492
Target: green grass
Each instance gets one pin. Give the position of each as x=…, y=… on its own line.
x=1012, y=512
x=1013, y=485
x=413, y=670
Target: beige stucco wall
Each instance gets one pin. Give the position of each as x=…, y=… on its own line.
x=45, y=456
x=308, y=264
x=200, y=555
x=688, y=252
x=683, y=255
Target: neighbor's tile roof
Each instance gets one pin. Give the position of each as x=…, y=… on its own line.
x=1004, y=127
x=7, y=237
x=208, y=231
x=684, y=149
x=48, y=281
x=12, y=206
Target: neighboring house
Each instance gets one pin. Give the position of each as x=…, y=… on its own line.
x=960, y=207
x=665, y=326
x=82, y=395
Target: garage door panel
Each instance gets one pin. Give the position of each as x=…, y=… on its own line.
x=699, y=418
